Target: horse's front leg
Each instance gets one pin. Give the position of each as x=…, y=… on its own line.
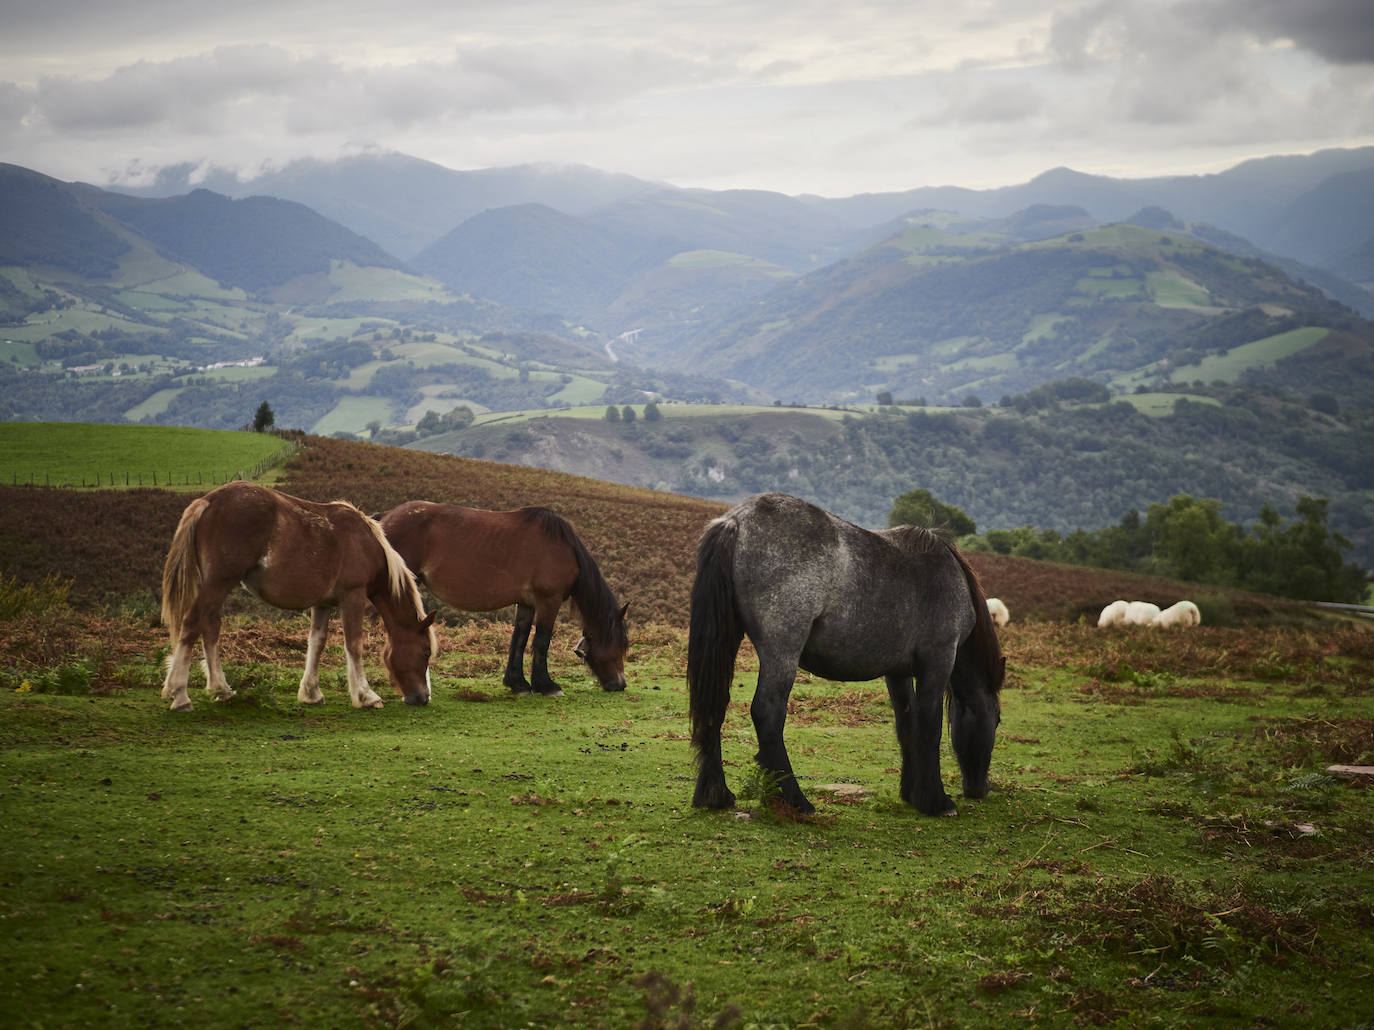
x=351, y=614
x=310, y=693
x=769, y=712
x=544, y=617
x=919, y=714
x=515, y=659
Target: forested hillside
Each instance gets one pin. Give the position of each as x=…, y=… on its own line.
x=1038, y=461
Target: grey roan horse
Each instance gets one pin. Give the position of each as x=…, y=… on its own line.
x=844, y=603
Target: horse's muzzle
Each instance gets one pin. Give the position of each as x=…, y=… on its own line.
x=617, y=684
x=418, y=699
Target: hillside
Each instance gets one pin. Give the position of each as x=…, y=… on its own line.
x=256, y=243
x=644, y=541
x=1046, y=462
x=940, y=311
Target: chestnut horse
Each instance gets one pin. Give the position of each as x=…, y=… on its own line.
x=479, y=561
x=293, y=554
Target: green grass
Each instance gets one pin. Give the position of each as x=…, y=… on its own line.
x=72, y=453
x=1171, y=289
x=1161, y=404
x=495, y=861
x=352, y=414
x=1261, y=353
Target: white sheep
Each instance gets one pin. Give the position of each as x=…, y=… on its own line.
x=1140, y=613
x=998, y=611
x=1183, y=614
x=1112, y=614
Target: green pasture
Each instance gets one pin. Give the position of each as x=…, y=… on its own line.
x=74, y=453
x=1158, y=850
x=1260, y=353
x=1160, y=404
x=1169, y=288
x=352, y=414
x=353, y=283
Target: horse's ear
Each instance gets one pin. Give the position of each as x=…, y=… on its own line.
x=623, y=609
x=428, y=620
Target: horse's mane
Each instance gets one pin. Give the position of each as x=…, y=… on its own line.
x=400, y=580
x=591, y=594
x=920, y=540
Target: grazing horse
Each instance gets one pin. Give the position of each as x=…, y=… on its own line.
x=479, y=561
x=1181, y=615
x=293, y=554
x=997, y=608
x=813, y=591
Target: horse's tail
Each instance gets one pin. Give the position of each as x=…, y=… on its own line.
x=982, y=642
x=181, y=570
x=713, y=636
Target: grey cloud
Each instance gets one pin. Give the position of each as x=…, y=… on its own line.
x=1341, y=31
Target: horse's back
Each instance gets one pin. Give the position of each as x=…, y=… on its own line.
x=851, y=602
x=479, y=560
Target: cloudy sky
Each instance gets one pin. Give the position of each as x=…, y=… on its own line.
x=793, y=95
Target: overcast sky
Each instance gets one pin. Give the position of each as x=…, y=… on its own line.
x=791, y=95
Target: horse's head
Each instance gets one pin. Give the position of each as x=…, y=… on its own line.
x=409, y=646
x=604, y=651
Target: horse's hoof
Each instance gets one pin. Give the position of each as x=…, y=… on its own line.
x=555, y=692
x=185, y=706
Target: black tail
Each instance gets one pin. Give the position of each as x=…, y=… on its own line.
x=982, y=644
x=713, y=639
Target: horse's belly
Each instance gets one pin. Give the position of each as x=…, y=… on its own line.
x=852, y=668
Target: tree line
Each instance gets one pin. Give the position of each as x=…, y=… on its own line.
x=1184, y=538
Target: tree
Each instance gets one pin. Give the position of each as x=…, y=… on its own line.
x=920, y=508
x=264, y=419
x=628, y=413
x=651, y=412
x=612, y=413
x=885, y=398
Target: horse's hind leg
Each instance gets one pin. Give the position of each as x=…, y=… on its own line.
x=769, y=712
x=310, y=693
x=351, y=615
x=515, y=660
x=203, y=611
x=544, y=617
x=215, y=683
x=918, y=714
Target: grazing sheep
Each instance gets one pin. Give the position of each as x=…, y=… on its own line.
x=1183, y=615
x=998, y=611
x=1140, y=613
x=1112, y=615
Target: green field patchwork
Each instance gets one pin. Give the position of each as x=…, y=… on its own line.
x=1228, y=367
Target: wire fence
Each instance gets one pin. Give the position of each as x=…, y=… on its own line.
x=155, y=477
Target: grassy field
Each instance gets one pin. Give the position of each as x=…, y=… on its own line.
x=72, y=454
x=1229, y=366
x=1163, y=845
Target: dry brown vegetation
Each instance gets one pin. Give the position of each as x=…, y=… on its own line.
x=111, y=544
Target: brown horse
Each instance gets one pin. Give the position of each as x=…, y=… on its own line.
x=480, y=561
x=293, y=554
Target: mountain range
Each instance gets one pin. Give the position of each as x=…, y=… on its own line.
x=359, y=296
